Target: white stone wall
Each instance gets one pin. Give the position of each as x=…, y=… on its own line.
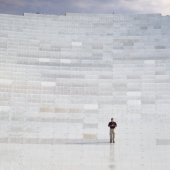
x=64, y=77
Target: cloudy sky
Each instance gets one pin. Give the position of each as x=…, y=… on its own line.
x=85, y=6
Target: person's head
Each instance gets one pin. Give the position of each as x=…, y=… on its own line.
x=112, y=119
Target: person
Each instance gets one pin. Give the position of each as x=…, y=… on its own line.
x=112, y=126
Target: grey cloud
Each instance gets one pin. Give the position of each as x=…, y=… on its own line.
x=60, y=7
x=83, y=6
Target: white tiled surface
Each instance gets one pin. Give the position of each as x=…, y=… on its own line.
x=63, y=77
x=104, y=156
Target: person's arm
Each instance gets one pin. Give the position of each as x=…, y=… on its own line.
x=109, y=125
x=113, y=125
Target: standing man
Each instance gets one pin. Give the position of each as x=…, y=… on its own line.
x=112, y=126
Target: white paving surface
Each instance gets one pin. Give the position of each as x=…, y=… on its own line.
x=77, y=156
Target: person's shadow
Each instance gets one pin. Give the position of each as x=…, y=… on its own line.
x=112, y=156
